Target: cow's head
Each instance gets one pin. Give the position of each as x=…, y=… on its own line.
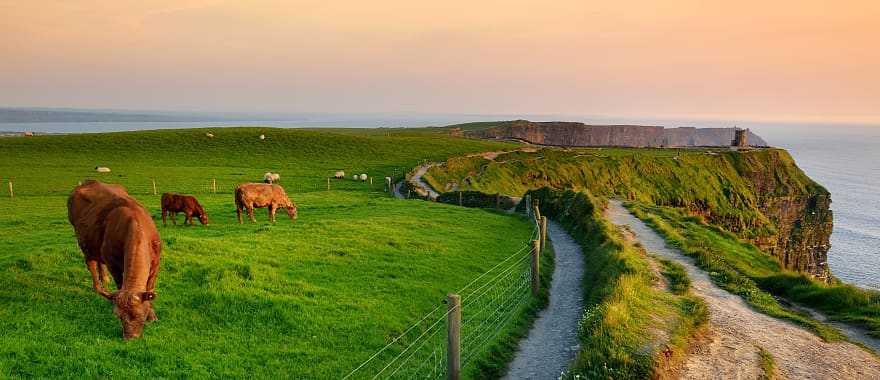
x=291, y=211
x=132, y=309
x=203, y=218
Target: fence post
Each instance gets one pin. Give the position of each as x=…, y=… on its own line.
x=536, y=267
x=408, y=193
x=543, y=232
x=328, y=183
x=459, y=197
x=453, y=336
x=497, y=201
x=154, y=186
x=214, y=185
x=11, y=193
x=528, y=205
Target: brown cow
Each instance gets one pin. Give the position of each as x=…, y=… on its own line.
x=115, y=232
x=173, y=203
x=259, y=195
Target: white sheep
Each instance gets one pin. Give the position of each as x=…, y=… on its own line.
x=102, y=169
x=262, y=137
x=270, y=177
x=363, y=178
x=210, y=135
x=354, y=177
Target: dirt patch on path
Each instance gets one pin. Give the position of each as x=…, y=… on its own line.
x=736, y=330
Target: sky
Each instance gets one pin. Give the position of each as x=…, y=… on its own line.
x=779, y=60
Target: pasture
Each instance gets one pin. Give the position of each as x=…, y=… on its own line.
x=309, y=299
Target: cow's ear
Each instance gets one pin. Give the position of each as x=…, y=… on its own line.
x=148, y=296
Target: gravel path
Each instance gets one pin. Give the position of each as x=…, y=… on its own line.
x=552, y=343
x=737, y=330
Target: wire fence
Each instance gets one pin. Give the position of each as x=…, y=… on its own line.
x=186, y=184
x=487, y=306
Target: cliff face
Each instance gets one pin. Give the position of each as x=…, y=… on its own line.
x=799, y=210
x=580, y=134
x=759, y=195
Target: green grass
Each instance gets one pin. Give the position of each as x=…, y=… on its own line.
x=768, y=363
x=748, y=270
x=716, y=182
x=679, y=282
x=186, y=160
x=501, y=352
x=735, y=266
x=310, y=299
x=628, y=323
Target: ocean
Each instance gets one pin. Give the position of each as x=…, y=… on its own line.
x=847, y=162
x=844, y=159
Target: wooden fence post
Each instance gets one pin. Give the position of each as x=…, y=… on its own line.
x=328, y=183
x=528, y=205
x=536, y=267
x=214, y=185
x=154, y=187
x=543, y=232
x=459, y=197
x=11, y=193
x=453, y=336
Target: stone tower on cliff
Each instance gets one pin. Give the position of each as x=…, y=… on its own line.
x=740, y=138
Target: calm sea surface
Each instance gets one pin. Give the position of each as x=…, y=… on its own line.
x=846, y=160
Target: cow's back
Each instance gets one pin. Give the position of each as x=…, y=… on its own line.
x=259, y=194
x=88, y=208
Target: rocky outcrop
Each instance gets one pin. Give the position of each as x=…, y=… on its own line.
x=800, y=211
x=580, y=134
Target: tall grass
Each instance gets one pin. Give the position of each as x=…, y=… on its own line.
x=743, y=269
x=628, y=323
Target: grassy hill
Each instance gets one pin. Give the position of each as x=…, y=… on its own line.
x=308, y=299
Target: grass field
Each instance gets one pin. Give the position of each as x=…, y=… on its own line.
x=743, y=269
x=307, y=299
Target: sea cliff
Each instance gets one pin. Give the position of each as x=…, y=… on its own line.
x=574, y=134
x=760, y=194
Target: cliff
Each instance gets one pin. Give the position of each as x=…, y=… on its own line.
x=574, y=134
x=759, y=195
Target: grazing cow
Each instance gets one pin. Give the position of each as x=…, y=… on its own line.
x=340, y=174
x=116, y=233
x=258, y=195
x=173, y=203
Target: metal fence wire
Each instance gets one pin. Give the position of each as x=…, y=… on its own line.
x=488, y=304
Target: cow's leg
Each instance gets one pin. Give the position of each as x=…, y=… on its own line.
x=164, y=211
x=272, y=211
x=189, y=217
x=174, y=218
x=250, y=211
x=238, y=213
x=105, y=273
x=96, y=279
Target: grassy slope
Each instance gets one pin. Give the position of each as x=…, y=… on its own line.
x=628, y=322
x=699, y=179
x=186, y=160
x=312, y=298
x=743, y=269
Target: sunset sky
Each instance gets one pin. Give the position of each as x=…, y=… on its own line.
x=761, y=60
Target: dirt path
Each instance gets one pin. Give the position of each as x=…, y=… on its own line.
x=552, y=343
x=737, y=330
